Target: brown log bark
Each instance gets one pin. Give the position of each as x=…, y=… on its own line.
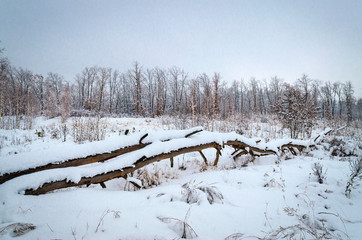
x=85, y=160
x=102, y=177
x=323, y=135
x=50, y=186
x=171, y=162
x=235, y=151
x=203, y=156
x=291, y=147
x=74, y=162
x=143, y=137
x=243, y=152
x=192, y=133
x=218, y=154
x=241, y=145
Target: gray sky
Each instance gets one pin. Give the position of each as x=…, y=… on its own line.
x=239, y=39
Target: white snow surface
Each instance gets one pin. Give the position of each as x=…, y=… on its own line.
x=68, y=150
x=255, y=198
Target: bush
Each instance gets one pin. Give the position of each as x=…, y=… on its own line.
x=181, y=227
x=319, y=173
x=153, y=175
x=40, y=133
x=88, y=129
x=355, y=176
x=193, y=191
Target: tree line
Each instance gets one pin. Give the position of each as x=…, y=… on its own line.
x=153, y=92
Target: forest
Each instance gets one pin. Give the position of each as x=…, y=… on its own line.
x=144, y=92
x=148, y=153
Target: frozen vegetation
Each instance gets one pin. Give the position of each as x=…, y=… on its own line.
x=313, y=195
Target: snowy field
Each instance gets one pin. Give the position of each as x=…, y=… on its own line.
x=269, y=198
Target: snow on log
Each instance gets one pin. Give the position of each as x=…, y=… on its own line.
x=155, y=148
x=326, y=132
x=241, y=145
x=73, y=162
x=45, y=187
x=77, y=155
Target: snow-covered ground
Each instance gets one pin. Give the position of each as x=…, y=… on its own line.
x=270, y=197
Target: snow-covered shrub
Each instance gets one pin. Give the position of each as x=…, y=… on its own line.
x=55, y=133
x=116, y=214
x=295, y=111
x=2, y=140
x=194, y=192
x=271, y=182
x=307, y=227
x=17, y=229
x=319, y=173
x=154, y=175
x=308, y=223
x=40, y=133
x=181, y=227
x=132, y=184
x=88, y=129
x=355, y=176
x=345, y=146
x=338, y=147
x=238, y=236
x=65, y=103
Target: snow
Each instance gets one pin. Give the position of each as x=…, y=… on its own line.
x=68, y=151
x=255, y=198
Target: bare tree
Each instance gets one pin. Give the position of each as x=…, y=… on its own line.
x=193, y=99
x=206, y=95
x=103, y=76
x=137, y=79
x=160, y=92
x=294, y=111
x=177, y=86
x=89, y=75
x=216, y=85
x=253, y=93
x=52, y=106
x=305, y=84
x=151, y=89
x=4, y=87
x=327, y=90
x=337, y=89
x=112, y=84
x=55, y=81
x=359, y=108
x=39, y=90
x=348, y=95
x=65, y=103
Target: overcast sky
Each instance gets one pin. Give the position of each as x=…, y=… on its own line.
x=239, y=39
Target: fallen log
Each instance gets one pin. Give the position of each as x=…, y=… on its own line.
x=242, y=152
x=143, y=161
x=74, y=162
x=153, y=149
x=242, y=148
x=88, y=159
x=241, y=145
x=326, y=132
x=218, y=154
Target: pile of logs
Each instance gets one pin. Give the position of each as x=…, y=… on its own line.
x=241, y=148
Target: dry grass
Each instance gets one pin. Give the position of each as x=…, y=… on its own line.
x=193, y=192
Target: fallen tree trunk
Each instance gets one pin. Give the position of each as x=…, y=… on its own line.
x=136, y=157
x=85, y=160
x=249, y=149
x=50, y=186
x=74, y=162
